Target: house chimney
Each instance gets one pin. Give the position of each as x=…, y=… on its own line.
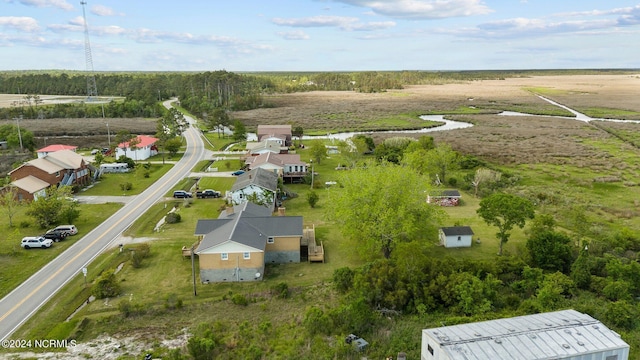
x=281, y=211
x=229, y=210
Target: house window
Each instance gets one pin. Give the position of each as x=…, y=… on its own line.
x=270, y=240
x=240, y=195
x=57, y=173
x=246, y=255
x=612, y=357
x=224, y=256
x=296, y=168
x=430, y=349
x=459, y=238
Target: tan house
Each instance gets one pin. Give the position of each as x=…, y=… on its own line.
x=63, y=167
x=237, y=245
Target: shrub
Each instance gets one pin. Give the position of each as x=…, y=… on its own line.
x=138, y=254
x=126, y=186
x=127, y=308
x=343, y=279
x=173, y=302
x=312, y=198
x=173, y=218
x=239, y=299
x=317, y=322
x=281, y=290
x=106, y=286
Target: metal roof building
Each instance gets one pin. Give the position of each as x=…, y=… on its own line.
x=565, y=334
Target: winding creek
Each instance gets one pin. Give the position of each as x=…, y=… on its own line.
x=452, y=124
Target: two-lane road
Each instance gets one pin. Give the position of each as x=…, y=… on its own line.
x=26, y=299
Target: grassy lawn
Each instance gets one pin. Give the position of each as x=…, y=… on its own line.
x=18, y=264
x=109, y=184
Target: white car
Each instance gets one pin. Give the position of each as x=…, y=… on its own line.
x=36, y=242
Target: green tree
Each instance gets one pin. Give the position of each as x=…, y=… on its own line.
x=46, y=210
x=312, y=198
x=550, y=250
x=298, y=131
x=378, y=207
x=173, y=145
x=505, y=211
x=239, y=131
x=317, y=150
x=218, y=120
x=441, y=160
x=9, y=202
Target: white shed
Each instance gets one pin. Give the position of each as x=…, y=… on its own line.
x=455, y=236
x=565, y=334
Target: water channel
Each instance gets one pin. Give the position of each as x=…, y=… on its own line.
x=451, y=124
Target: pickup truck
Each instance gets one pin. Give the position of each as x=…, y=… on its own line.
x=204, y=194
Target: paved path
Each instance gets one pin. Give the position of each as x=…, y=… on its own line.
x=19, y=305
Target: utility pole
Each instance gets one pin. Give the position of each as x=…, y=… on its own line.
x=109, y=136
x=19, y=133
x=193, y=271
x=311, y=161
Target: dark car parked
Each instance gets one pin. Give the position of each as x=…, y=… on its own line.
x=55, y=235
x=181, y=194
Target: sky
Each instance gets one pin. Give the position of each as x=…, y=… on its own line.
x=319, y=35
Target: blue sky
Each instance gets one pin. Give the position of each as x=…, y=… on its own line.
x=320, y=35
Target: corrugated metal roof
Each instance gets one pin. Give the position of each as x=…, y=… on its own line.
x=540, y=336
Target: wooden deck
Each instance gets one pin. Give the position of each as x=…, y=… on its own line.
x=315, y=252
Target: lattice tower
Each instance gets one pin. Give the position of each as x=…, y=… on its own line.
x=92, y=88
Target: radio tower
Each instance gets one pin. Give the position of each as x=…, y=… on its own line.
x=92, y=88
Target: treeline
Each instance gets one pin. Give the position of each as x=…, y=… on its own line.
x=204, y=93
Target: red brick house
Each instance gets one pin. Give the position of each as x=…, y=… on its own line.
x=63, y=167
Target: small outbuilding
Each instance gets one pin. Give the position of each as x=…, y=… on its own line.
x=566, y=334
x=455, y=236
x=444, y=198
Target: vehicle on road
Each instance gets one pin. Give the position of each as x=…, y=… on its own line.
x=208, y=194
x=237, y=173
x=69, y=229
x=55, y=235
x=35, y=242
x=181, y=194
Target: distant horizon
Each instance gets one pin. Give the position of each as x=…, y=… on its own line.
x=319, y=71
x=319, y=35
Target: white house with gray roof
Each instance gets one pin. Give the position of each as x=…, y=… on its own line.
x=258, y=186
x=237, y=245
x=566, y=334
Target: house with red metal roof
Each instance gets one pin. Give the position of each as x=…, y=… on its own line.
x=53, y=148
x=141, y=147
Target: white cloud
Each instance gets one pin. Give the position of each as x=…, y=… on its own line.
x=317, y=21
x=586, y=22
x=294, y=35
x=101, y=10
x=21, y=23
x=422, y=9
x=60, y=4
x=341, y=22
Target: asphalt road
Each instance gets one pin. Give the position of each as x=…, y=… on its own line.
x=26, y=299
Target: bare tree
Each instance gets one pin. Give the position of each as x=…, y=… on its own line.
x=484, y=175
